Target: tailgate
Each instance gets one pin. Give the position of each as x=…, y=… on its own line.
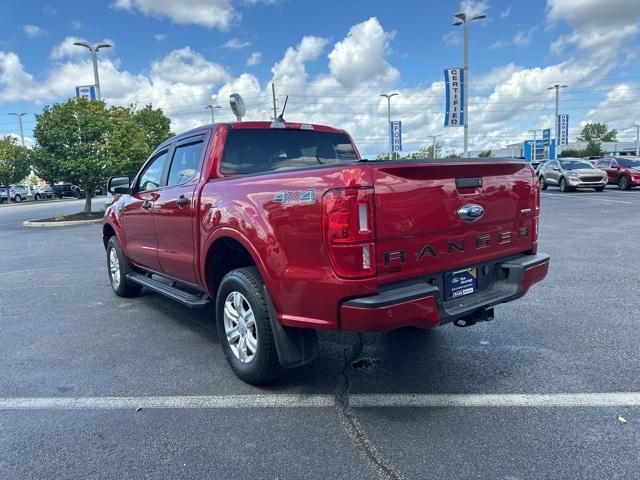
x=419, y=224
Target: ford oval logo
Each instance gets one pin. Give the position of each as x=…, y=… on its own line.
x=471, y=212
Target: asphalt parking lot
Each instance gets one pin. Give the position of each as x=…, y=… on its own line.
x=96, y=386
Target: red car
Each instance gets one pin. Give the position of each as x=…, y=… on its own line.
x=288, y=230
x=622, y=171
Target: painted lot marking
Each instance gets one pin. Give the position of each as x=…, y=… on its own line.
x=613, y=399
x=584, y=197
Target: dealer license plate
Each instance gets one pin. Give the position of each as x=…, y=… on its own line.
x=461, y=282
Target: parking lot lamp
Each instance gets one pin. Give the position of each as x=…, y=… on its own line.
x=212, y=108
x=465, y=21
x=20, y=115
x=94, y=57
x=557, y=88
x=637, y=127
x=388, y=96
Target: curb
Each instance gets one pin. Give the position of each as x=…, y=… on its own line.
x=35, y=224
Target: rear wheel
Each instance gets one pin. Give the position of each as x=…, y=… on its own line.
x=543, y=184
x=116, y=267
x=17, y=199
x=36, y=197
x=623, y=183
x=244, y=327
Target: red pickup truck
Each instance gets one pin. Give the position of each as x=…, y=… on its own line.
x=288, y=230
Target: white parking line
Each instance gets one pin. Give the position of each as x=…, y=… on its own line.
x=584, y=197
x=613, y=399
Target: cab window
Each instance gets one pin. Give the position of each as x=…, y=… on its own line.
x=152, y=174
x=185, y=163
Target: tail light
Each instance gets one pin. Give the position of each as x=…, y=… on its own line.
x=348, y=224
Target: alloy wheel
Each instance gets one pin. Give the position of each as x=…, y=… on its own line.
x=240, y=327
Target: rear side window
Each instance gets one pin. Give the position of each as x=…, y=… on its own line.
x=254, y=151
x=185, y=163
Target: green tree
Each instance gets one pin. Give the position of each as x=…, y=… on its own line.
x=593, y=149
x=597, y=132
x=485, y=154
x=14, y=163
x=452, y=154
x=570, y=153
x=73, y=136
x=154, y=123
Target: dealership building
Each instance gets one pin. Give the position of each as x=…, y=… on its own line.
x=523, y=150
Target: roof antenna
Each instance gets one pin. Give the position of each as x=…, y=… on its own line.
x=281, y=117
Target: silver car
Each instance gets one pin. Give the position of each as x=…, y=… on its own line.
x=570, y=174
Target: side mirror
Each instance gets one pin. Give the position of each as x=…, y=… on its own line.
x=118, y=185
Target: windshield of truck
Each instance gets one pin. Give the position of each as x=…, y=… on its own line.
x=254, y=151
x=575, y=164
x=629, y=163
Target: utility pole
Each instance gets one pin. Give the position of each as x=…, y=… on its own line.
x=557, y=88
x=388, y=97
x=212, y=108
x=534, y=148
x=20, y=115
x=637, y=127
x=94, y=57
x=434, y=154
x=275, y=108
x=464, y=21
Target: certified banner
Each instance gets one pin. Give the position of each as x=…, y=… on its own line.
x=86, y=91
x=562, y=127
x=396, y=136
x=454, y=84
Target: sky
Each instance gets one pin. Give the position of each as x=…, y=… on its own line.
x=333, y=59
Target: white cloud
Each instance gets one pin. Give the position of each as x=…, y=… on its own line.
x=506, y=12
x=254, y=59
x=361, y=56
x=474, y=7
x=76, y=25
x=291, y=69
x=452, y=38
x=207, y=13
x=66, y=48
x=523, y=38
x=188, y=67
x=160, y=36
x=500, y=43
x=236, y=44
x=32, y=31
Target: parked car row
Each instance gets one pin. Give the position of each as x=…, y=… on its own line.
x=20, y=193
x=570, y=174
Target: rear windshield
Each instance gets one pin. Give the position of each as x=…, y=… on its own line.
x=254, y=151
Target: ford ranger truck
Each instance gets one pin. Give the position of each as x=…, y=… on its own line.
x=287, y=230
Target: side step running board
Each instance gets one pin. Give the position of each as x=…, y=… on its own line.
x=177, y=294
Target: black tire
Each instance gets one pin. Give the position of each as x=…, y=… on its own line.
x=543, y=183
x=623, y=183
x=598, y=189
x=36, y=197
x=122, y=288
x=264, y=366
x=564, y=187
x=17, y=199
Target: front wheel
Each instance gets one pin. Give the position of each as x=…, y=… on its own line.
x=563, y=186
x=17, y=199
x=116, y=267
x=623, y=183
x=36, y=197
x=244, y=327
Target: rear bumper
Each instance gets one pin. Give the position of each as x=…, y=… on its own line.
x=420, y=304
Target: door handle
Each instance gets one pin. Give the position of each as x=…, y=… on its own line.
x=182, y=200
x=147, y=205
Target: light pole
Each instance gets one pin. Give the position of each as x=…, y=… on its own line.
x=637, y=127
x=20, y=115
x=557, y=88
x=388, y=96
x=212, y=108
x=534, y=147
x=464, y=21
x=94, y=57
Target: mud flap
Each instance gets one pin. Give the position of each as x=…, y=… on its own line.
x=295, y=346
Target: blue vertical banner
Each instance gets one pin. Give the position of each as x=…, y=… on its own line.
x=454, y=92
x=396, y=136
x=86, y=91
x=562, y=127
x=546, y=136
